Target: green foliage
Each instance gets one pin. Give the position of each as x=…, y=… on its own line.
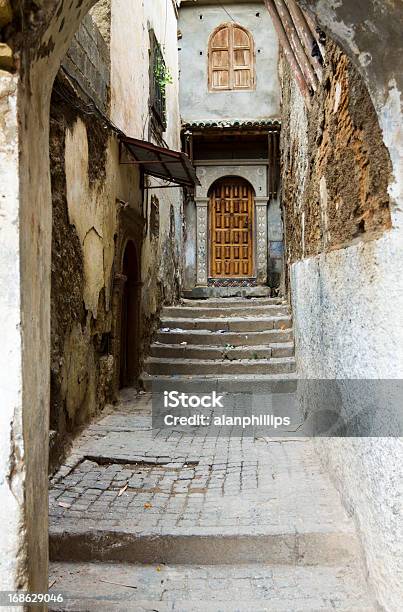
x=162, y=73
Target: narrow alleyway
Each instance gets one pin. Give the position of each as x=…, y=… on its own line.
x=203, y=522
x=202, y=196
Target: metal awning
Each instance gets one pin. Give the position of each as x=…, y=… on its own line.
x=166, y=164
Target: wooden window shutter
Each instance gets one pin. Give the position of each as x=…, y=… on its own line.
x=242, y=60
x=219, y=59
x=231, y=59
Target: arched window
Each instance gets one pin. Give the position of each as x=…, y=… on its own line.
x=231, y=59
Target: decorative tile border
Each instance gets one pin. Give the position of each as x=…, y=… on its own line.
x=261, y=241
x=201, y=246
x=232, y=282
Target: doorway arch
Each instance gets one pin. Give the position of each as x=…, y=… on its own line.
x=231, y=228
x=129, y=317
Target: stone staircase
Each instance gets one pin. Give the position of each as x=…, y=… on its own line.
x=145, y=519
x=241, y=339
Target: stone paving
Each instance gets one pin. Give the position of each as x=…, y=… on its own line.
x=120, y=471
x=218, y=588
x=198, y=522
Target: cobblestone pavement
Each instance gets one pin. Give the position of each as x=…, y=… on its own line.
x=119, y=471
x=251, y=510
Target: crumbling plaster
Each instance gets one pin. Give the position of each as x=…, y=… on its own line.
x=86, y=209
x=89, y=190
x=98, y=189
x=370, y=33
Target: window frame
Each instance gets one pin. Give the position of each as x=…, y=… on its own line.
x=231, y=55
x=157, y=93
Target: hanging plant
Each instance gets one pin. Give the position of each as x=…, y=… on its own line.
x=161, y=72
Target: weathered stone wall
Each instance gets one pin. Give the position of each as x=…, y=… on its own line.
x=90, y=189
x=335, y=188
x=345, y=256
x=80, y=287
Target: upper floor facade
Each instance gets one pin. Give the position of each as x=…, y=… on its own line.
x=228, y=61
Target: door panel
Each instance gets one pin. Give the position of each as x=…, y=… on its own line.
x=231, y=229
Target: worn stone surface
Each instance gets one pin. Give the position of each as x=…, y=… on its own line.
x=129, y=493
x=6, y=57
x=261, y=588
x=6, y=13
x=217, y=321
x=194, y=484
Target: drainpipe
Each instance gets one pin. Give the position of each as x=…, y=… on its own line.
x=288, y=51
x=299, y=51
x=305, y=34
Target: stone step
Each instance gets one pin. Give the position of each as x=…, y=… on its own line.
x=232, y=324
x=220, y=311
x=232, y=302
x=275, y=365
x=118, y=545
x=194, y=351
x=90, y=587
x=224, y=383
x=211, y=338
x=227, y=292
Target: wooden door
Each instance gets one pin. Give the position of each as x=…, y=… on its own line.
x=231, y=229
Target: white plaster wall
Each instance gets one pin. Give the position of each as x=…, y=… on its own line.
x=12, y=472
x=348, y=310
x=130, y=65
x=348, y=317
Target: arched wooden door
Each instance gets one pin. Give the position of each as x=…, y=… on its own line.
x=231, y=228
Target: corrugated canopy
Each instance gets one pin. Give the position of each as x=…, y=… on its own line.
x=162, y=163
